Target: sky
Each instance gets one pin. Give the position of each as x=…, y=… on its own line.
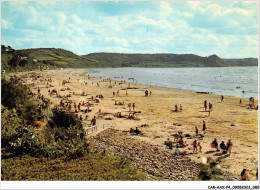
x=228, y=29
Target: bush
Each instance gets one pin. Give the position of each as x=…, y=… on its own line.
x=18, y=139
x=13, y=92
x=66, y=132
x=54, y=142
x=210, y=172
x=16, y=95
x=64, y=119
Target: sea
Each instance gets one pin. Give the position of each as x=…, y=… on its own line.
x=230, y=81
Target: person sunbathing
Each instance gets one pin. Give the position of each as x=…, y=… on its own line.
x=130, y=116
x=132, y=131
x=137, y=131
x=120, y=115
x=181, y=142
x=168, y=143
x=178, y=152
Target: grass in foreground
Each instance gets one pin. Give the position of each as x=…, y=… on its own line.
x=91, y=167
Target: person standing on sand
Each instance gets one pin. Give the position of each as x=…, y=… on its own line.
x=130, y=105
x=133, y=107
x=93, y=121
x=180, y=108
x=176, y=108
x=150, y=93
x=210, y=106
x=205, y=105
x=79, y=106
x=222, y=98
x=229, y=146
x=240, y=102
x=195, y=146
x=196, y=131
x=200, y=147
x=204, y=127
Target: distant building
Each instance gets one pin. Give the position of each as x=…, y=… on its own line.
x=35, y=60
x=24, y=58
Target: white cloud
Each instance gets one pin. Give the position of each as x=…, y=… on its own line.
x=196, y=27
x=5, y=24
x=166, y=9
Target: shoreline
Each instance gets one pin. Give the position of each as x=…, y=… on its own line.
x=160, y=86
x=156, y=112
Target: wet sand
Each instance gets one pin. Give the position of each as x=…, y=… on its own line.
x=157, y=113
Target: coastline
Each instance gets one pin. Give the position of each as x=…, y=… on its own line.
x=156, y=112
x=230, y=90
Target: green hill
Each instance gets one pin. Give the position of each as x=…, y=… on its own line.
x=241, y=62
x=58, y=57
x=30, y=59
x=156, y=60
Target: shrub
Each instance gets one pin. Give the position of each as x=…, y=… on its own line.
x=64, y=119
x=66, y=132
x=13, y=92
x=210, y=172
x=18, y=139
x=15, y=95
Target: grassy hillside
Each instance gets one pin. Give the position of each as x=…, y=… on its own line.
x=30, y=59
x=241, y=62
x=59, y=58
x=156, y=60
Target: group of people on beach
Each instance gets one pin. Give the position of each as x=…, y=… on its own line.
x=226, y=148
x=146, y=93
x=177, y=109
x=206, y=106
x=196, y=145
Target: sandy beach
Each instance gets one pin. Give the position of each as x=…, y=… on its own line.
x=227, y=120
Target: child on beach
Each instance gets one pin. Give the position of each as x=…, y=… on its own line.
x=200, y=147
